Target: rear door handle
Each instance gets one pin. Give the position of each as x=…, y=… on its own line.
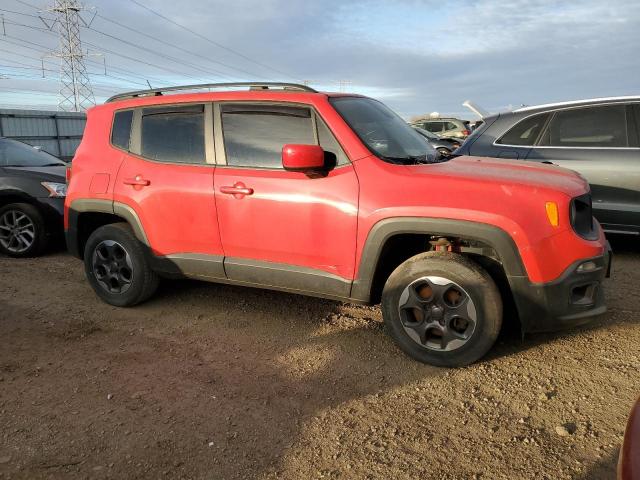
x=137, y=181
x=237, y=190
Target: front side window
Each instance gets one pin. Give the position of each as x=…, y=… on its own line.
x=382, y=131
x=604, y=126
x=18, y=154
x=255, y=134
x=121, y=130
x=525, y=132
x=173, y=134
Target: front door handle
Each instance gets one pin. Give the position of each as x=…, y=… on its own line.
x=137, y=181
x=238, y=190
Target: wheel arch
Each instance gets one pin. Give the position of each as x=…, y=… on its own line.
x=393, y=240
x=86, y=215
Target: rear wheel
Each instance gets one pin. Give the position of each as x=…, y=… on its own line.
x=117, y=267
x=442, y=309
x=22, y=230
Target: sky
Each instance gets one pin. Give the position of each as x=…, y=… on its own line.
x=417, y=56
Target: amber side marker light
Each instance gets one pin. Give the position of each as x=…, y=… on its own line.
x=552, y=213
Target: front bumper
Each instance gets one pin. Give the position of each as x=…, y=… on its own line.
x=573, y=299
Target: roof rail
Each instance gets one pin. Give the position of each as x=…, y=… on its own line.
x=251, y=85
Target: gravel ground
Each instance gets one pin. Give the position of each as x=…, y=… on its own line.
x=219, y=382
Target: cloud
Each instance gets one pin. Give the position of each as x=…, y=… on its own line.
x=416, y=55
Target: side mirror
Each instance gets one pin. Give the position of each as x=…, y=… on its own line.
x=303, y=158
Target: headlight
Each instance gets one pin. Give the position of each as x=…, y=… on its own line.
x=55, y=189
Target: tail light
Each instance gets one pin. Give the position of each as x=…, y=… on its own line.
x=466, y=132
x=68, y=174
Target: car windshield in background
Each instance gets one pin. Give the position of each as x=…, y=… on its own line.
x=385, y=133
x=18, y=154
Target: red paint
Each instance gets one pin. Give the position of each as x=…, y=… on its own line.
x=302, y=158
x=629, y=461
x=323, y=222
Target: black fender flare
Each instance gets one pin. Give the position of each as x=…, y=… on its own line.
x=491, y=235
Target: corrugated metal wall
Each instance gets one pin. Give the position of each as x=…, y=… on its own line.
x=58, y=133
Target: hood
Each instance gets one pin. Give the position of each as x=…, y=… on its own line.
x=503, y=172
x=54, y=174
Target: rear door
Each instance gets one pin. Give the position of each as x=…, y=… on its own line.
x=167, y=179
x=601, y=143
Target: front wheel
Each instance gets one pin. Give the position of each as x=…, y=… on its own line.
x=442, y=309
x=117, y=267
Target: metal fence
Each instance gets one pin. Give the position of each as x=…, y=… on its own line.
x=58, y=133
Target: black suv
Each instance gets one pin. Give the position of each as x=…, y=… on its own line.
x=599, y=139
x=32, y=190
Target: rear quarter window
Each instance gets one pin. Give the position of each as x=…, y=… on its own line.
x=121, y=129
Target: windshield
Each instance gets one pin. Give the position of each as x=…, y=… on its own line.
x=18, y=154
x=383, y=132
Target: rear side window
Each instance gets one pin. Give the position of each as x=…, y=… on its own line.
x=255, y=134
x=121, y=130
x=450, y=126
x=173, y=134
x=435, y=127
x=525, y=132
x=604, y=126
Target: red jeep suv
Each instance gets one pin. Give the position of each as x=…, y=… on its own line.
x=330, y=195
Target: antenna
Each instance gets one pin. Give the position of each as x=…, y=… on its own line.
x=76, y=93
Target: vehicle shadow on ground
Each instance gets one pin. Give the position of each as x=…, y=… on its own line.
x=604, y=469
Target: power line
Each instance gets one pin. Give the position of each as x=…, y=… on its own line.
x=213, y=42
x=164, y=42
x=49, y=61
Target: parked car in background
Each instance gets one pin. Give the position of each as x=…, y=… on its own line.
x=599, y=138
x=444, y=146
x=32, y=190
x=444, y=127
x=280, y=186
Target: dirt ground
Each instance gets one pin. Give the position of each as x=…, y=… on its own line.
x=219, y=382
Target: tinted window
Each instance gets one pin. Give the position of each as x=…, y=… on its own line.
x=255, y=134
x=633, y=126
x=18, y=154
x=121, y=129
x=588, y=127
x=173, y=134
x=525, y=132
x=435, y=127
x=329, y=143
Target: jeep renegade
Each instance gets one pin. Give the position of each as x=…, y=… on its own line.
x=331, y=195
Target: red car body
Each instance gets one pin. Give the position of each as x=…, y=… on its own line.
x=324, y=224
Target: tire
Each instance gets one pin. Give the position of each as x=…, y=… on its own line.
x=22, y=230
x=442, y=309
x=117, y=266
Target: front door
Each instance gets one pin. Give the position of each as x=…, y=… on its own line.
x=167, y=178
x=280, y=228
